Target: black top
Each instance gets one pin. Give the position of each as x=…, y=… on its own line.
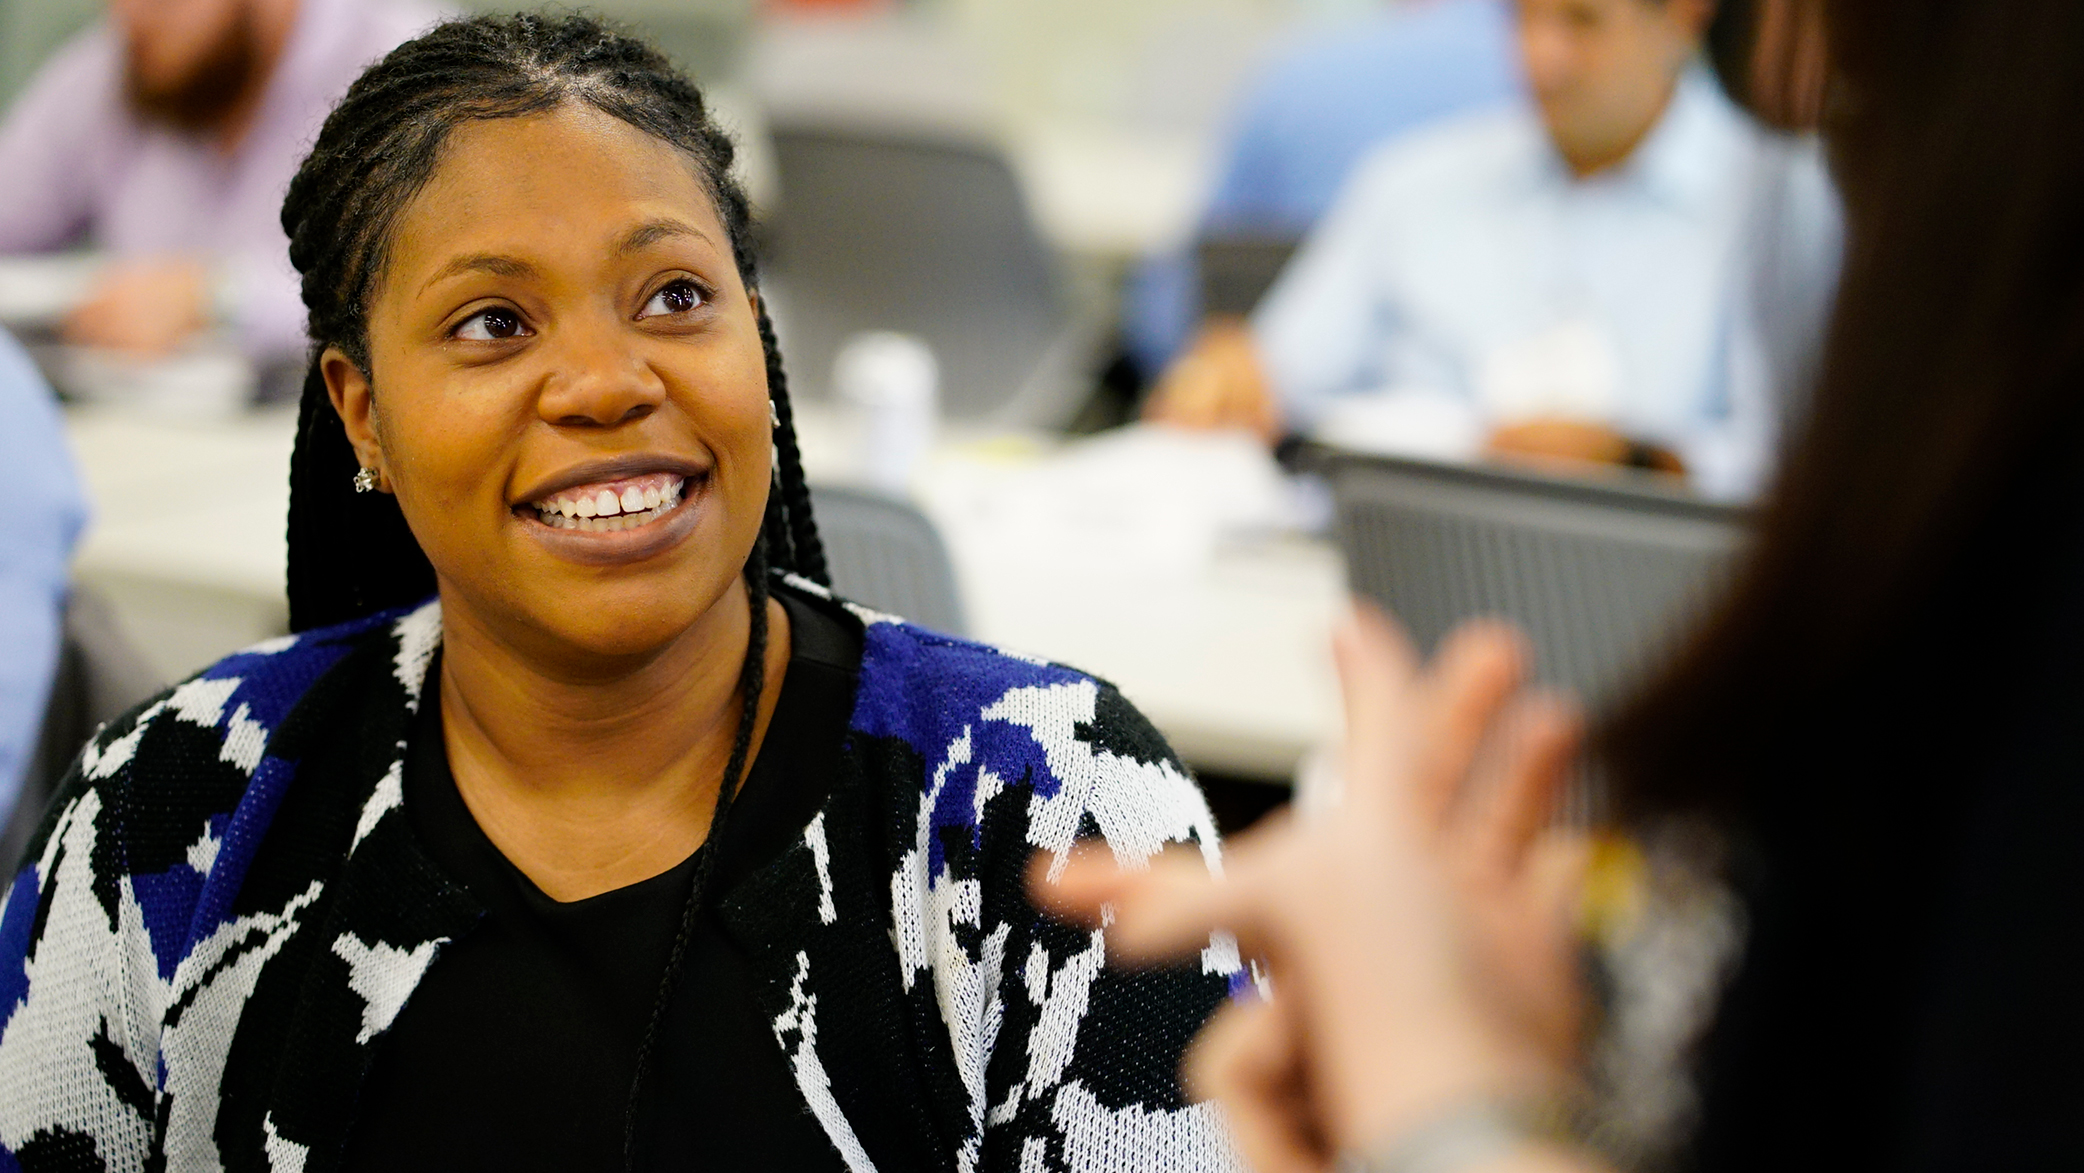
x=518, y=1048
x=1914, y=895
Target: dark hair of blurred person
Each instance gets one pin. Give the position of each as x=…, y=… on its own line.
x=1770, y=55
x=1888, y=710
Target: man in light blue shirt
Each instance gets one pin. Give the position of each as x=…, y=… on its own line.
x=1310, y=115
x=1631, y=270
x=45, y=512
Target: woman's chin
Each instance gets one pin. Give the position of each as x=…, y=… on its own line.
x=611, y=623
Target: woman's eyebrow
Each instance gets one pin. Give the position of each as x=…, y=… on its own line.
x=494, y=264
x=651, y=232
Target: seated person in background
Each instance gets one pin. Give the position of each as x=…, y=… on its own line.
x=44, y=515
x=1633, y=271
x=1306, y=119
x=165, y=136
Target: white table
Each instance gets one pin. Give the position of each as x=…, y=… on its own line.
x=187, y=533
x=1222, y=640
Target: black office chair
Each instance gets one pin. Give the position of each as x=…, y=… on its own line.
x=931, y=236
x=1602, y=575
x=99, y=675
x=885, y=554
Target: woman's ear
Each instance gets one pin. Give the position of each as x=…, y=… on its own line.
x=354, y=398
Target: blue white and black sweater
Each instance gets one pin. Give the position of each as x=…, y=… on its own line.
x=226, y=910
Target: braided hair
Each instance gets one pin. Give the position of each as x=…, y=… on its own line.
x=350, y=554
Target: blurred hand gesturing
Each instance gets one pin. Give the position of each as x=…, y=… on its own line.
x=1418, y=935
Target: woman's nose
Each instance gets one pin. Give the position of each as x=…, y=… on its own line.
x=599, y=378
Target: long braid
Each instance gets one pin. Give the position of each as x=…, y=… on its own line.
x=752, y=681
x=807, y=551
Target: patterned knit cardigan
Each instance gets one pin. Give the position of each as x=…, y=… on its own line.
x=226, y=910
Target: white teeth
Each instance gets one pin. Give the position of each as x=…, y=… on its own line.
x=603, y=511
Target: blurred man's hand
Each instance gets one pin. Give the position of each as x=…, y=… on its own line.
x=1217, y=383
x=1565, y=442
x=144, y=307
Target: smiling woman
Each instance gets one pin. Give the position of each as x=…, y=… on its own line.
x=631, y=846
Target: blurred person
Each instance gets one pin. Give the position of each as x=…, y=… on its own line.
x=46, y=511
x=632, y=847
x=1873, y=750
x=1304, y=121
x=165, y=136
x=1631, y=270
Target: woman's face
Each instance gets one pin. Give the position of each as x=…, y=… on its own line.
x=567, y=390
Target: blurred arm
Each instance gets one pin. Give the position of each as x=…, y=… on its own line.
x=1322, y=320
x=37, y=531
x=1217, y=383
x=1780, y=310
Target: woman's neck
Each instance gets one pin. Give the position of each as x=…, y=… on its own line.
x=592, y=781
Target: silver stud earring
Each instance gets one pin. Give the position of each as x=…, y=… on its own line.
x=365, y=480
x=774, y=415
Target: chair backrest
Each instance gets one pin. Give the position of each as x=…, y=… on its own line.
x=1603, y=577
x=99, y=675
x=885, y=554
x=894, y=230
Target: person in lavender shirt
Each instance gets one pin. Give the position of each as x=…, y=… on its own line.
x=165, y=136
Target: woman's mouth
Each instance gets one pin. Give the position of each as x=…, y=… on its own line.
x=610, y=506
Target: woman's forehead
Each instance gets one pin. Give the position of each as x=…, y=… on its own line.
x=571, y=174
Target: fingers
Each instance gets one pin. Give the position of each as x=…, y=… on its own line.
x=1420, y=732
x=1479, y=667
x=1556, y=865
x=1165, y=910
x=1535, y=964
x=1088, y=881
x=1247, y=1059
x=1516, y=799
x=1378, y=668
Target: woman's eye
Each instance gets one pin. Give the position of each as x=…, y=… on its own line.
x=490, y=326
x=676, y=298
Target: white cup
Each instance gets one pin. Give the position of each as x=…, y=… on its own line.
x=892, y=383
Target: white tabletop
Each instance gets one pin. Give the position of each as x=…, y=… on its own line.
x=1218, y=631
x=200, y=503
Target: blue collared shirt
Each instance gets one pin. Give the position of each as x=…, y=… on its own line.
x=1316, y=110
x=1466, y=278
x=44, y=515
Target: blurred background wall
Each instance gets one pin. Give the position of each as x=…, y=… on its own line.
x=30, y=29
x=1170, y=64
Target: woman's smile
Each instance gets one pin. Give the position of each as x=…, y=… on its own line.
x=616, y=511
